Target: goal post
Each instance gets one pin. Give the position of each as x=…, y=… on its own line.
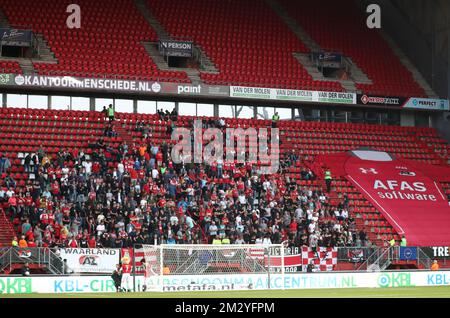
x=186, y=265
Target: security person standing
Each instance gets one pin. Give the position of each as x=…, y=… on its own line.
x=311, y=267
x=226, y=240
x=217, y=240
x=403, y=242
x=328, y=179
x=275, y=119
x=111, y=112
x=392, y=242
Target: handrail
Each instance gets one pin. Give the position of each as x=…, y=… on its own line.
x=374, y=258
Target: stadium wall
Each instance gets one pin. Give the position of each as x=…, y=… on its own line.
x=104, y=284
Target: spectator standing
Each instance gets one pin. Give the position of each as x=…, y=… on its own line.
x=14, y=242
x=25, y=270
x=23, y=243
x=328, y=179
x=111, y=112
x=311, y=267
x=403, y=242
x=275, y=119
x=435, y=266
x=117, y=277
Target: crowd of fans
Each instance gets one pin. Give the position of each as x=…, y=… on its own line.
x=133, y=194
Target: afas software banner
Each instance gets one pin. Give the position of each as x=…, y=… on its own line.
x=409, y=199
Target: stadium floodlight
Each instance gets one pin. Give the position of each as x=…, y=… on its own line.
x=207, y=267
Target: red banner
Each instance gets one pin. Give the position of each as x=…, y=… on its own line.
x=412, y=202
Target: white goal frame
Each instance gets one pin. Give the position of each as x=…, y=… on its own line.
x=183, y=261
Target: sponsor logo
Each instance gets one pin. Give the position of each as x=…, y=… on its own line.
x=366, y=171
x=394, y=280
x=379, y=100
x=13, y=34
x=156, y=87
x=4, y=79
x=20, y=80
x=25, y=254
x=441, y=251
x=407, y=173
x=427, y=103
x=189, y=89
x=92, y=260
x=15, y=285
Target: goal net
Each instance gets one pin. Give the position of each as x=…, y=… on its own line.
x=208, y=267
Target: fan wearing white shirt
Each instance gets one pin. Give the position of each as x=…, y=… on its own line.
x=312, y=227
x=242, y=199
x=259, y=241
x=100, y=229
x=344, y=214
x=155, y=173
x=267, y=240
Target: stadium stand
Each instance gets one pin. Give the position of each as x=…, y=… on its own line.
x=10, y=67
x=58, y=133
x=364, y=46
x=245, y=51
x=108, y=45
x=97, y=183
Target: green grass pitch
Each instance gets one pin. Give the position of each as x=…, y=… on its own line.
x=407, y=292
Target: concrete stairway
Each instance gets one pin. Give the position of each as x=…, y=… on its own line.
x=6, y=230
x=308, y=64
x=294, y=26
x=206, y=64
x=4, y=23
x=356, y=76
x=27, y=66
x=160, y=31
x=45, y=53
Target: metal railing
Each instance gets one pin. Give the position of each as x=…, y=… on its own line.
x=43, y=257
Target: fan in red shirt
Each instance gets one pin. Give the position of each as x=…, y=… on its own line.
x=294, y=195
x=161, y=203
x=55, y=188
x=58, y=173
x=28, y=200
x=44, y=218
x=133, y=174
x=31, y=243
x=92, y=243
x=159, y=158
x=73, y=243
x=57, y=232
x=95, y=167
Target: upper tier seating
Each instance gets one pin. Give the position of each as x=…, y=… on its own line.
x=246, y=40
x=349, y=34
x=106, y=45
x=10, y=67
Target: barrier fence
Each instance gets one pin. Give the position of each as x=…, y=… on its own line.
x=58, y=261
